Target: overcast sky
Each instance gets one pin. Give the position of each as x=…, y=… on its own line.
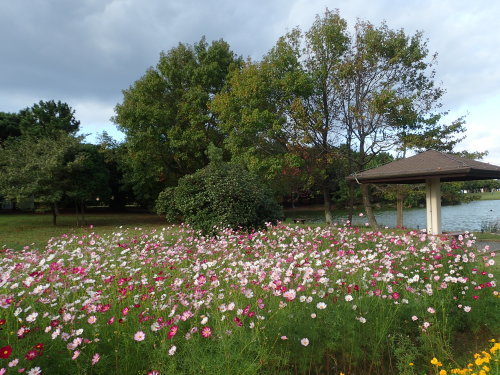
x=84, y=52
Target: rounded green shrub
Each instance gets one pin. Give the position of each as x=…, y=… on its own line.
x=218, y=196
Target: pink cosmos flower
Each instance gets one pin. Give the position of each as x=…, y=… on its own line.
x=139, y=336
x=206, y=332
x=304, y=341
x=75, y=355
x=95, y=358
x=290, y=294
x=92, y=319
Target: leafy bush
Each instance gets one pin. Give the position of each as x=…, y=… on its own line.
x=219, y=195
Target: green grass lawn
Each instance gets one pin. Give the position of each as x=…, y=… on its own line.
x=18, y=230
x=490, y=196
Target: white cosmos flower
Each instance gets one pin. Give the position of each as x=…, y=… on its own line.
x=321, y=305
x=31, y=317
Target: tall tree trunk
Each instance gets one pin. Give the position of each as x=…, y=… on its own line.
x=54, y=213
x=327, y=201
x=350, y=170
x=399, y=206
x=368, y=206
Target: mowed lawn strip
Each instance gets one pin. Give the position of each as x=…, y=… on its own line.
x=19, y=230
x=495, y=195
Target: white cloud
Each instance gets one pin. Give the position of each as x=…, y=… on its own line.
x=94, y=117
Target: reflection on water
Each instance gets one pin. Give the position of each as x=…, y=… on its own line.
x=468, y=216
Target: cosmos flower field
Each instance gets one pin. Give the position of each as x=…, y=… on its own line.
x=284, y=300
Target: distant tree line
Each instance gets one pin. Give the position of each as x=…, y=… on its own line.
x=41, y=157
x=320, y=105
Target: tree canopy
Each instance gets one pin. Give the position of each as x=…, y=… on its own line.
x=9, y=126
x=47, y=118
x=318, y=90
x=166, y=117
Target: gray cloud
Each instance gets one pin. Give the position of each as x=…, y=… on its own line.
x=85, y=52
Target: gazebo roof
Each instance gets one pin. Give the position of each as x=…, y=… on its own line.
x=428, y=164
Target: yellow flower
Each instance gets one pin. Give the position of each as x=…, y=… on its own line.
x=410, y=364
x=442, y=372
x=435, y=362
x=494, y=348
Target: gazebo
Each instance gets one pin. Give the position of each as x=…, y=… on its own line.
x=429, y=167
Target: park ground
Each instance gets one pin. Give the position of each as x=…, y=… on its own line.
x=19, y=230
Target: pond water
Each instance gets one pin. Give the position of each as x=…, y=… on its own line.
x=472, y=216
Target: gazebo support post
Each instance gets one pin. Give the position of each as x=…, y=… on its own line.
x=433, y=205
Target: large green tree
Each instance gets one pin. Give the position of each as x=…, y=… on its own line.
x=281, y=114
x=166, y=118
x=37, y=167
x=48, y=118
x=53, y=169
